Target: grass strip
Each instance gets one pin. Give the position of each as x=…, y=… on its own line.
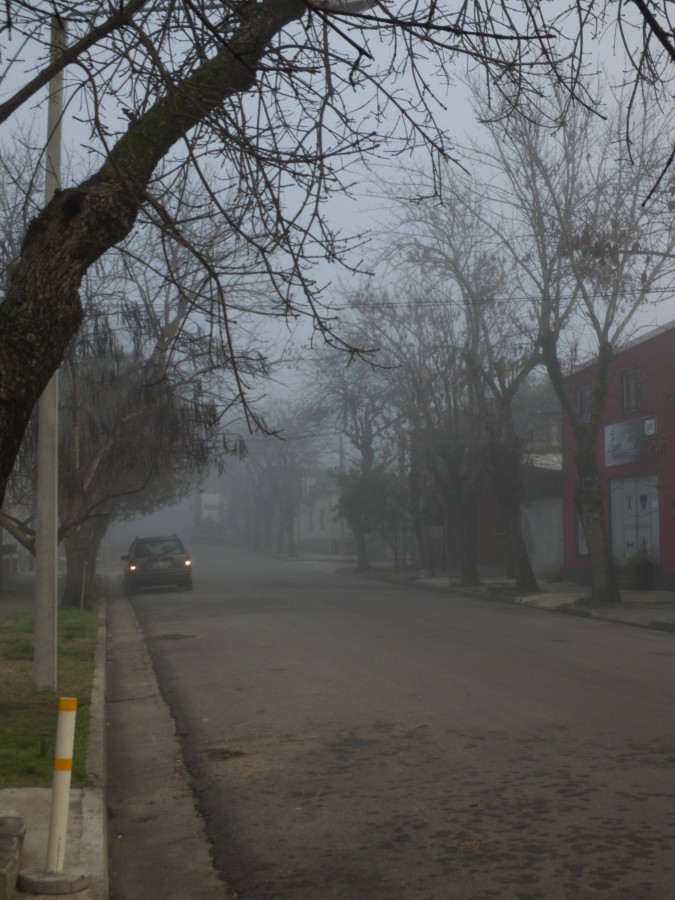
x=28, y=716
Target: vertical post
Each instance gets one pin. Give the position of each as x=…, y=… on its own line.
x=63, y=768
x=84, y=585
x=44, y=663
x=341, y=465
x=52, y=879
x=330, y=522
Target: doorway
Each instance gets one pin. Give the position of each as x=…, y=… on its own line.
x=634, y=510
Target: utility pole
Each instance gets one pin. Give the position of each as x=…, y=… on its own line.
x=341, y=469
x=46, y=542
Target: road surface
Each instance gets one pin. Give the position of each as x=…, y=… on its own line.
x=352, y=739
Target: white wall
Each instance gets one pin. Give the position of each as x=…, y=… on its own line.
x=543, y=528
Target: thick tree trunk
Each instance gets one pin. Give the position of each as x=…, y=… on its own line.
x=81, y=546
x=418, y=556
x=456, y=466
x=76, y=562
x=41, y=310
x=425, y=551
x=505, y=465
x=523, y=573
x=414, y=493
x=290, y=537
x=265, y=532
x=591, y=508
x=279, y=542
x=466, y=538
x=362, y=561
x=588, y=495
x=429, y=551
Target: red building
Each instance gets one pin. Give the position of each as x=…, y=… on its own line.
x=636, y=455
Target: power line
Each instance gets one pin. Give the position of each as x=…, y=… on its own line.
x=415, y=301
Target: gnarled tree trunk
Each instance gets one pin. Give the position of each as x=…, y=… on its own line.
x=590, y=505
x=81, y=546
x=362, y=560
x=588, y=495
x=506, y=471
x=465, y=520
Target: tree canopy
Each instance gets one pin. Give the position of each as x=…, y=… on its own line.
x=281, y=96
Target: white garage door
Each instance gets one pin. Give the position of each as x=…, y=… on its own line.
x=634, y=504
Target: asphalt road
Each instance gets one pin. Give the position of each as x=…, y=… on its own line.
x=351, y=739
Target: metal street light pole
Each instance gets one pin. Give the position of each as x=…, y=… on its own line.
x=46, y=582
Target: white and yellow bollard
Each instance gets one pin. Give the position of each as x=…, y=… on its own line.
x=63, y=770
x=52, y=879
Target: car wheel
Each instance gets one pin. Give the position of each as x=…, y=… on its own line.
x=187, y=584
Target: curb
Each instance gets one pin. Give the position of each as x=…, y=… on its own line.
x=94, y=804
x=601, y=615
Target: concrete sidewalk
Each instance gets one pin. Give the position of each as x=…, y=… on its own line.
x=646, y=609
x=167, y=852
x=85, y=846
x=86, y=843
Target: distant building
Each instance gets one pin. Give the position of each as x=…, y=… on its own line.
x=541, y=517
x=635, y=453
x=318, y=527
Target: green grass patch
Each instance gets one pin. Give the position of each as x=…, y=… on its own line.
x=28, y=716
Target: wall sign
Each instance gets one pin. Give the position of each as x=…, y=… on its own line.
x=630, y=442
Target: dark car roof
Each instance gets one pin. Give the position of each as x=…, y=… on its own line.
x=150, y=546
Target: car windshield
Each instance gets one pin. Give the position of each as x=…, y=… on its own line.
x=159, y=547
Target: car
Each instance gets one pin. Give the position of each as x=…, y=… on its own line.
x=155, y=562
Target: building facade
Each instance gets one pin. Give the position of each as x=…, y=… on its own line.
x=541, y=512
x=636, y=456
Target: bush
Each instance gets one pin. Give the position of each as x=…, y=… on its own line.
x=642, y=567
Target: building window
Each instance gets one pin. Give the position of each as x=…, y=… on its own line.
x=584, y=401
x=631, y=390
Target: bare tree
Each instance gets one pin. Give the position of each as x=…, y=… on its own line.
x=570, y=215
x=421, y=337
x=355, y=401
x=282, y=93
x=445, y=244
x=269, y=491
x=145, y=397
x=131, y=441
